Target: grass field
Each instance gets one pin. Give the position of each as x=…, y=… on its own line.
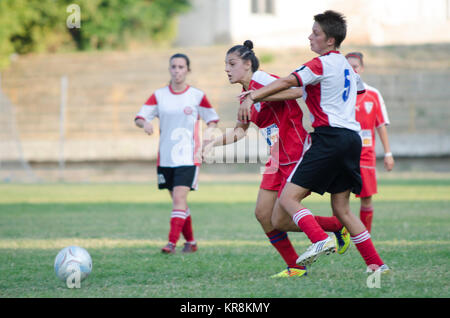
x=123, y=226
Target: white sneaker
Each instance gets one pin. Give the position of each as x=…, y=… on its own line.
x=383, y=269
x=326, y=246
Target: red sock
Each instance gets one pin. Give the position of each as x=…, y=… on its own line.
x=329, y=223
x=366, y=248
x=308, y=224
x=187, y=228
x=176, y=225
x=282, y=244
x=366, y=215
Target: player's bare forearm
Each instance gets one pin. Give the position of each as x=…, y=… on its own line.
x=382, y=132
x=287, y=94
x=275, y=87
x=232, y=136
x=388, y=157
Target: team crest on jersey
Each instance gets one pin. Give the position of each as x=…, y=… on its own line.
x=188, y=110
x=368, y=106
x=257, y=107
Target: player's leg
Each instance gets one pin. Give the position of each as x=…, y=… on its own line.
x=369, y=188
x=290, y=200
x=366, y=212
x=279, y=239
x=178, y=216
x=340, y=203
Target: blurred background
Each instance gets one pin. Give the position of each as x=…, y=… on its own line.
x=73, y=74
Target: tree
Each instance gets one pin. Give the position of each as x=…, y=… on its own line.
x=40, y=25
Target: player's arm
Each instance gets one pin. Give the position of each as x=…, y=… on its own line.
x=239, y=132
x=388, y=157
x=146, y=125
x=287, y=94
x=252, y=97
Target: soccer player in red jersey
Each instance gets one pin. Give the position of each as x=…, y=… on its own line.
x=370, y=113
x=179, y=108
x=279, y=119
x=331, y=164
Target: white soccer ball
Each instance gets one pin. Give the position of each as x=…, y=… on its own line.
x=73, y=260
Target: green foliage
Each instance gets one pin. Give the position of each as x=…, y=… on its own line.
x=35, y=26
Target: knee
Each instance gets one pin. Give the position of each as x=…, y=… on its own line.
x=262, y=215
x=277, y=223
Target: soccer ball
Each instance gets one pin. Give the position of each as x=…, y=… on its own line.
x=71, y=260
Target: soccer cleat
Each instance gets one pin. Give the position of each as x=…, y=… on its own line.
x=325, y=246
x=169, y=248
x=290, y=272
x=383, y=269
x=342, y=240
x=189, y=247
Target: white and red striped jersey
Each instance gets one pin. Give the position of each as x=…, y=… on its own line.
x=330, y=87
x=179, y=116
x=279, y=122
x=370, y=113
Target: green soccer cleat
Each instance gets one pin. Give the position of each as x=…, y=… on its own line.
x=290, y=272
x=342, y=240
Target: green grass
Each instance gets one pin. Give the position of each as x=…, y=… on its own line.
x=123, y=226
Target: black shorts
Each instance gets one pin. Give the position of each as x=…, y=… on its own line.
x=331, y=164
x=170, y=177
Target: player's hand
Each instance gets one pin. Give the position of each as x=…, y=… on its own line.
x=148, y=128
x=244, y=112
x=389, y=162
x=207, y=150
x=244, y=94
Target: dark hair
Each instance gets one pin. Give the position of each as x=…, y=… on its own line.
x=356, y=55
x=333, y=25
x=183, y=56
x=246, y=53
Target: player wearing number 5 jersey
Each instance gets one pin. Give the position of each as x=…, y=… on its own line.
x=331, y=164
x=179, y=108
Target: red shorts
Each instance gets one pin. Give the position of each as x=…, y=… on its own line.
x=369, y=182
x=274, y=177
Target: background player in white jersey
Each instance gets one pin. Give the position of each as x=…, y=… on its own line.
x=370, y=113
x=279, y=119
x=332, y=162
x=179, y=108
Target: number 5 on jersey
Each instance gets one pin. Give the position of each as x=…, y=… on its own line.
x=346, y=85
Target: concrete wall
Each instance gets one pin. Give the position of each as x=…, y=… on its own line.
x=380, y=22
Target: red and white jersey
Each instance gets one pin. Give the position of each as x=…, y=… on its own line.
x=179, y=116
x=280, y=123
x=370, y=113
x=330, y=87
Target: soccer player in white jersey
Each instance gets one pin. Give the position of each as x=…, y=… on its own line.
x=179, y=108
x=370, y=113
x=331, y=164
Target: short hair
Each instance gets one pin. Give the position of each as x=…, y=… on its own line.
x=183, y=56
x=333, y=25
x=356, y=55
x=246, y=53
